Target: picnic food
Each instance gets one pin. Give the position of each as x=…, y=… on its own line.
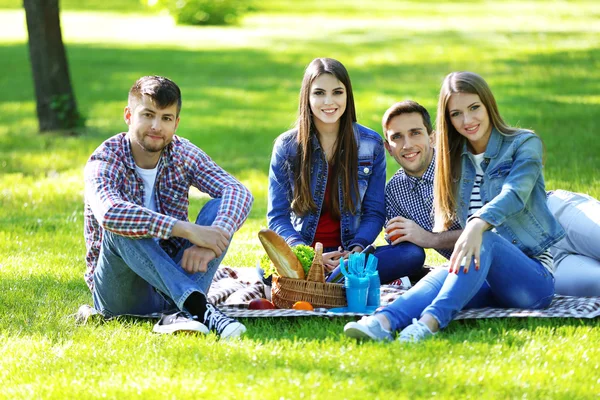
x=285, y=261
x=303, y=305
x=261, y=304
x=305, y=255
x=392, y=238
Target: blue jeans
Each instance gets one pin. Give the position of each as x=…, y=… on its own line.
x=577, y=256
x=506, y=278
x=394, y=262
x=136, y=276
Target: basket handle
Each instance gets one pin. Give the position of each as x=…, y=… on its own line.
x=317, y=270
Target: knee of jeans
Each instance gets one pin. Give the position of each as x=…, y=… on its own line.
x=436, y=274
x=415, y=253
x=488, y=238
x=208, y=213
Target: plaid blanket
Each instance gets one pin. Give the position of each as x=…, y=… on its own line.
x=232, y=290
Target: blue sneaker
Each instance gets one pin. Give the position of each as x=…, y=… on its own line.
x=415, y=332
x=367, y=328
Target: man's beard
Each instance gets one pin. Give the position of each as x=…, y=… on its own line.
x=156, y=148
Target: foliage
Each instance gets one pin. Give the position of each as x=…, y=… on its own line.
x=204, y=12
x=304, y=253
x=64, y=107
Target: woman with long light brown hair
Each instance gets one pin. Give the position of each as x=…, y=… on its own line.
x=489, y=178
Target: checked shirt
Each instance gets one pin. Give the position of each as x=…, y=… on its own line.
x=412, y=198
x=114, y=195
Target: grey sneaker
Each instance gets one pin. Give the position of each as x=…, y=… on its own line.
x=415, y=332
x=221, y=324
x=179, y=322
x=367, y=328
x=86, y=314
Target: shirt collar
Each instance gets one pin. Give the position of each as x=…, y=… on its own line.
x=427, y=176
x=167, y=156
x=493, y=147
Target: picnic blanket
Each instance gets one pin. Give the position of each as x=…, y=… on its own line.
x=233, y=288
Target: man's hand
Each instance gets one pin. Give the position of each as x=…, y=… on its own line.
x=196, y=259
x=211, y=237
x=405, y=230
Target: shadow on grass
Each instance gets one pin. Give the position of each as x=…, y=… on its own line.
x=235, y=102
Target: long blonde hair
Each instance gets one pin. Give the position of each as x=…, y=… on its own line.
x=449, y=143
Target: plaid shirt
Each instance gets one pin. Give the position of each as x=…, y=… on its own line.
x=412, y=198
x=114, y=195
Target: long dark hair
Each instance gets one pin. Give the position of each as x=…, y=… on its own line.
x=345, y=158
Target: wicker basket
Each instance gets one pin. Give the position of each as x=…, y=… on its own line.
x=286, y=291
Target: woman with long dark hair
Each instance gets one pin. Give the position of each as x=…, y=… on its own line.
x=327, y=174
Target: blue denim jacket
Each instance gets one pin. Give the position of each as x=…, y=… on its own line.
x=512, y=191
x=359, y=229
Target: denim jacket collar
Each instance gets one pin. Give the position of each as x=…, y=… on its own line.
x=493, y=147
x=314, y=139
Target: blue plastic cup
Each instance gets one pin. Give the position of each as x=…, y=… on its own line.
x=356, y=293
x=374, y=296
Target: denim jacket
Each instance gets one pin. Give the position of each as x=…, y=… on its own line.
x=512, y=191
x=360, y=228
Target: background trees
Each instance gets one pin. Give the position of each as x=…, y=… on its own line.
x=56, y=105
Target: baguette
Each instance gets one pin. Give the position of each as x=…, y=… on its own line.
x=285, y=261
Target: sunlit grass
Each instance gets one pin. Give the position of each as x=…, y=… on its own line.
x=240, y=88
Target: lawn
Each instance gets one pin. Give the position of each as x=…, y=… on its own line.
x=240, y=86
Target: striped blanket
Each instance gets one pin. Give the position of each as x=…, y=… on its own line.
x=232, y=290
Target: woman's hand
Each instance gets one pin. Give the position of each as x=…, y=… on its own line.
x=332, y=259
x=468, y=246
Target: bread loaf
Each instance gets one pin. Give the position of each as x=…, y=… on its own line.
x=285, y=261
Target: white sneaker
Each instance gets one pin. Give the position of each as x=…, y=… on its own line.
x=415, y=332
x=221, y=324
x=367, y=328
x=179, y=322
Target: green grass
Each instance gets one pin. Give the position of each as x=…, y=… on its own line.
x=240, y=87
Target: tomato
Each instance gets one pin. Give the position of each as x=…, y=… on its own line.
x=261, y=304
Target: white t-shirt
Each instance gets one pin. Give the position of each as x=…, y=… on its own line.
x=149, y=178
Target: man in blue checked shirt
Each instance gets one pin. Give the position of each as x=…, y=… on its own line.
x=409, y=139
x=409, y=205
x=143, y=256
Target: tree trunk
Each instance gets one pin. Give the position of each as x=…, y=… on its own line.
x=56, y=106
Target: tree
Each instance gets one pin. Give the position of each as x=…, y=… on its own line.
x=56, y=106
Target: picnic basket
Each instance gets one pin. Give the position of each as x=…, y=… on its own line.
x=286, y=291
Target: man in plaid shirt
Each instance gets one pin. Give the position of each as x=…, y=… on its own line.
x=143, y=256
